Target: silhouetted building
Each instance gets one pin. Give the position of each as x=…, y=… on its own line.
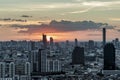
x=104, y=36
x=109, y=57
x=67, y=42
x=76, y=42
x=44, y=41
x=78, y=55
x=51, y=41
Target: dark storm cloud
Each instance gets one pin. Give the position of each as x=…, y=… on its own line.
x=62, y=26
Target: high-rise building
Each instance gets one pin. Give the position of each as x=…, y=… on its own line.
x=27, y=68
x=104, y=36
x=34, y=60
x=53, y=65
x=50, y=65
x=76, y=42
x=20, y=69
x=78, y=55
x=2, y=69
x=109, y=57
x=12, y=70
x=51, y=41
x=44, y=41
x=42, y=60
x=57, y=66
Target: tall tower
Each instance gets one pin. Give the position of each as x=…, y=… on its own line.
x=12, y=70
x=109, y=57
x=104, y=36
x=78, y=55
x=2, y=70
x=44, y=40
x=76, y=42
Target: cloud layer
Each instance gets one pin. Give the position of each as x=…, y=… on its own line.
x=62, y=26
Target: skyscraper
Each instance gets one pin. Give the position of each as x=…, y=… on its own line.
x=2, y=69
x=34, y=60
x=42, y=60
x=44, y=41
x=78, y=55
x=76, y=42
x=12, y=70
x=109, y=57
x=51, y=41
x=104, y=36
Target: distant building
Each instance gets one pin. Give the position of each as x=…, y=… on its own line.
x=91, y=44
x=44, y=41
x=109, y=57
x=12, y=70
x=78, y=55
x=2, y=69
x=104, y=36
x=51, y=41
x=76, y=42
x=32, y=45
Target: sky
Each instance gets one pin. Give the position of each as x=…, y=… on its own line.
x=60, y=19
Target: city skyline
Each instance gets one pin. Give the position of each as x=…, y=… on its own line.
x=20, y=21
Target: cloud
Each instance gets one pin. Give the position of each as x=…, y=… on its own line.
x=26, y=16
x=114, y=19
x=100, y=3
x=62, y=26
x=81, y=11
x=13, y=20
x=94, y=34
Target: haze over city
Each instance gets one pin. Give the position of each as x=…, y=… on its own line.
x=62, y=20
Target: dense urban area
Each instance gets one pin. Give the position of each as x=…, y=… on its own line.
x=50, y=60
